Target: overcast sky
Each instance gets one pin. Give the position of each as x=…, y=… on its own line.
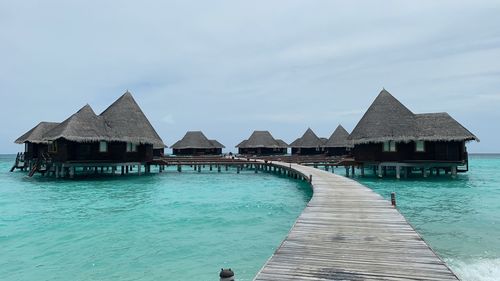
x=229, y=67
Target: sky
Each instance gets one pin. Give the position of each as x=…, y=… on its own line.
x=230, y=67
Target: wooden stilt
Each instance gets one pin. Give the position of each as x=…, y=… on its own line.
x=398, y=171
x=379, y=171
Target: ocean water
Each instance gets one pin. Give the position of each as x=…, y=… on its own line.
x=185, y=226
x=459, y=218
x=172, y=226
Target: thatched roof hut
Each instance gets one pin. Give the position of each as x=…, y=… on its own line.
x=308, y=140
x=129, y=124
x=339, y=138
x=83, y=126
x=196, y=139
x=217, y=144
x=387, y=119
x=122, y=121
x=261, y=139
x=37, y=133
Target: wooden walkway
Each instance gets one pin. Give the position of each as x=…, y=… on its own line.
x=348, y=232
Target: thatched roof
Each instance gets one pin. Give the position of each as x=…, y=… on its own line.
x=36, y=134
x=196, y=139
x=128, y=122
x=282, y=143
x=217, y=144
x=83, y=126
x=441, y=126
x=261, y=139
x=308, y=140
x=122, y=121
x=387, y=119
x=339, y=138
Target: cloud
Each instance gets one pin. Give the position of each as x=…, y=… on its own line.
x=228, y=67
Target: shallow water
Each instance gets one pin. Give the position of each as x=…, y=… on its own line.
x=459, y=218
x=171, y=226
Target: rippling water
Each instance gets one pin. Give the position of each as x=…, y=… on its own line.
x=459, y=218
x=173, y=226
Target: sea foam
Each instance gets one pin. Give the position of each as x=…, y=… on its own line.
x=476, y=270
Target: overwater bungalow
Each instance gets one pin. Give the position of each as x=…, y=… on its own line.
x=195, y=143
x=120, y=136
x=262, y=143
x=389, y=135
x=338, y=143
x=308, y=144
x=35, y=146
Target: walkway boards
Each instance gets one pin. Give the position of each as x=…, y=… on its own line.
x=348, y=232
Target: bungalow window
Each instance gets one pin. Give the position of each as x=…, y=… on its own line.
x=131, y=147
x=26, y=147
x=389, y=146
x=420, y=146
x=52, y=147
x=103, y=146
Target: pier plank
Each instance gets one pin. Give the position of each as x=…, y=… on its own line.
x=349, y=232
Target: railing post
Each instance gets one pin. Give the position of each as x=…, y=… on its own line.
x=393, y=199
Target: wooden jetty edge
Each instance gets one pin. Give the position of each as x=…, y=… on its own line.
x=349, y=232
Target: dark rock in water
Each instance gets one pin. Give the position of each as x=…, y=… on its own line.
x=226, y=273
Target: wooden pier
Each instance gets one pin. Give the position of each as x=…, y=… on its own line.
x=348, y=232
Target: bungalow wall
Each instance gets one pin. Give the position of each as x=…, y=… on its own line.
x=263, y=151
x=197, y=151
x=307, y=151
x=337, y=151
x=406, y=152
x=34, y=150
x=158, y=152
x=87, y=152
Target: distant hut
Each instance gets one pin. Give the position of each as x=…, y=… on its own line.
x=389, y=134
x=34, y=144
x=308, y=144
x=338, y=143
x=262, y=143
x=120, y=134
x=196, y=143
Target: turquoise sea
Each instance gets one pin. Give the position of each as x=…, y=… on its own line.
x=459, y=218
x=185, y=226
x=170, y=226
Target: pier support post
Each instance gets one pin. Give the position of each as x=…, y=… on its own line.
x=123, y=170
x=393, y=199
x=113, y=170
x=218, y=168
x=353, y=169
x=227, y=169
x=139, y=167
x=454, y=171
x=72, y=172
x=347, y=171
x=179, y=168
x=398, y=172
x=379, y=171
x=237, y=169
x=211, y=167
x=199, y=168
x=385, y=171
x=362, y=171
x=126, y=169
